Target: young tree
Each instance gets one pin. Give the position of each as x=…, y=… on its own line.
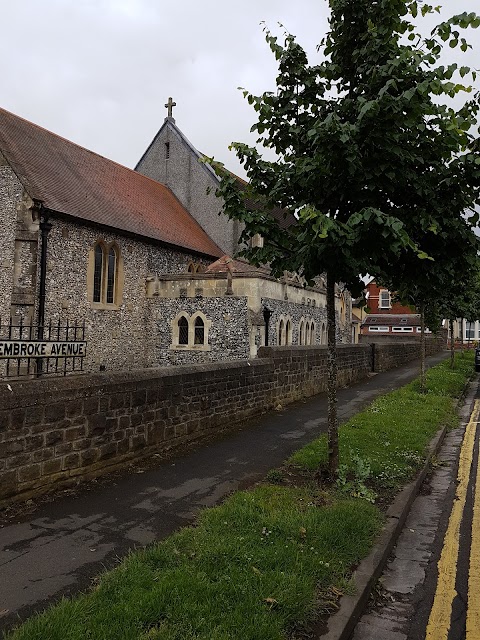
x=445, y=279
x=355, y=136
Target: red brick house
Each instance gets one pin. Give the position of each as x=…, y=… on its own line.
x=379, y=300
x=387, y=318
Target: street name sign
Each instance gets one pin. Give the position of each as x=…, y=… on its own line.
x=41, y=349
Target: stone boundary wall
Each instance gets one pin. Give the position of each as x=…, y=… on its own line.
x=388, y=355
x=55, y=432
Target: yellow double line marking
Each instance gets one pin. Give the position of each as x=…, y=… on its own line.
x=441, y=613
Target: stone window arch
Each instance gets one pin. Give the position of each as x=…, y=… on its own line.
x=190, y=332
x=280, y=332
x=301, y=331
x=182, y=325
x=284, y=331
x=195, y=267
x=199, y=331
x=323, y=335
x=288, y=332
x=312, y=336
x=105, y=275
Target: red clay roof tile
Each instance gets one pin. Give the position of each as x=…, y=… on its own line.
x=72, y=180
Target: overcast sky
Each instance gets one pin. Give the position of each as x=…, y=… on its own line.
x=99, y=72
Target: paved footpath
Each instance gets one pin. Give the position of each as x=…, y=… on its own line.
x=59, y=548
x=430, y=588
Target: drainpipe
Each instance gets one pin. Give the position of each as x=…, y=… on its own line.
x=45, y=227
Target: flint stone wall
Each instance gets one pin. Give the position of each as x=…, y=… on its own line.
x=56, y=432
x=118, y=338
x=228, y=335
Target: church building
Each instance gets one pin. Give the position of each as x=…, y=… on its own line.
x=142, y=262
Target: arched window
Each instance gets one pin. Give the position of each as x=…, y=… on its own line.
x=280, y=333
x=191, y=268
x=182, y=330
x=312, y=333
x=98, y=273
x=199, y=331
x=301, y=332
x=105, y=275
x=190, y=332
x=111, y=275
x=288, y=332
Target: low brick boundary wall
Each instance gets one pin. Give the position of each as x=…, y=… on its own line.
x=54, y=432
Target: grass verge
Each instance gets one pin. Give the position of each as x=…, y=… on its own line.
x=383, y=446
x=270, y=560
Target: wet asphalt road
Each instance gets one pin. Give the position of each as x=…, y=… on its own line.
x=430, y=586
x=64, y=544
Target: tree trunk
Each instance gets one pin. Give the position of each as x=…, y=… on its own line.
x=461, y=336
x=452, y=345
x=332, y=380
x=423, y=382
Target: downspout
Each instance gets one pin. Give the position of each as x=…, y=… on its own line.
x=45, y=227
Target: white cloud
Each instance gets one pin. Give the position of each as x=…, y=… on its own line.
x=99, y=71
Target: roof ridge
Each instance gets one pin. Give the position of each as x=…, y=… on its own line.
x=71, y=179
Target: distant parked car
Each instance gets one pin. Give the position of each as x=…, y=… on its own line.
x=477, y=359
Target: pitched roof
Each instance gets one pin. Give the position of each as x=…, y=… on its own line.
x=284, y=218
x=227, y=264
x=71, y=180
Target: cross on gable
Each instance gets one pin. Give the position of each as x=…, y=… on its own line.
x=169, y=105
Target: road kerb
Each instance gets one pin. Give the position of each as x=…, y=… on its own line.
x=342, y=623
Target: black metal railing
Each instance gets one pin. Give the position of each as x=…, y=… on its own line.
x=27, y=349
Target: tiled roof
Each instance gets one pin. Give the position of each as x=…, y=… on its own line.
x=71, y=180
x=284, y=218
x=408, y=320
x=226, y=263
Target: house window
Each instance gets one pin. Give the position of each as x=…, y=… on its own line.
x=385, y=301
x=182, y=330
x=105, y=275
x=470, y=330
x=379, y=329
x=402, y=329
